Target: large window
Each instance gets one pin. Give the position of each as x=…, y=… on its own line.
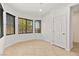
x=1, y=21
x=25, y=26
x=22, y=25
x=10, y=24
x=29, y=26
x=37, y=26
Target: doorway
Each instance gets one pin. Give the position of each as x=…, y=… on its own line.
x=75, y=28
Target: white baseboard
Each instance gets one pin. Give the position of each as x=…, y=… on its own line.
x=67, y=49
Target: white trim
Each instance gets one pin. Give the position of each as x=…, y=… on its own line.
x=16, y=25
x=4, y=23
x=69, y=39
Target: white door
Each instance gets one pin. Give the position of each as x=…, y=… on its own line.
x=60, y=30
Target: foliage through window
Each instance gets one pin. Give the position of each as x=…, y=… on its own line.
x=25, y=26
x=29, y=26
x=22, y=25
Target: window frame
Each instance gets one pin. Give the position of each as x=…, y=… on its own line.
x=13, y=23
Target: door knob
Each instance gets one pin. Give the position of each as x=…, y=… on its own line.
x=63, y=33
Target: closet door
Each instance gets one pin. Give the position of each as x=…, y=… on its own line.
x=60, y=30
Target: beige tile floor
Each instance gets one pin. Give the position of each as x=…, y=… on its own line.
x=38, y=48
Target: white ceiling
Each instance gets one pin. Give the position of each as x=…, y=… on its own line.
x=35, y=7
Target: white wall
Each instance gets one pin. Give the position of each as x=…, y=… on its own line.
x=47, y=27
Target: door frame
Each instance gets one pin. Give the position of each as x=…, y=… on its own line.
x=70, y=38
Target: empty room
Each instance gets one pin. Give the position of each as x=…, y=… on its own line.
x=39, y=29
